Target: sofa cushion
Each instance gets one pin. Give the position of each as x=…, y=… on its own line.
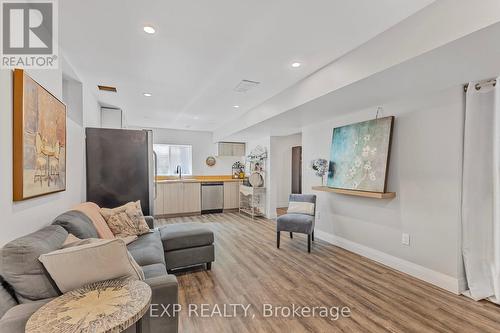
x=94, y=214
x=154, y=270
x=14, y=320
x=77, y=223
x=147, y=249
x=20, y=267
x=295, y=223
x=185, y=235
x=6, y=299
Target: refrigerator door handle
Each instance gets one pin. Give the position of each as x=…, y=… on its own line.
x=155, y=157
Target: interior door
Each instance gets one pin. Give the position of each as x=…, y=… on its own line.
x=297, y=170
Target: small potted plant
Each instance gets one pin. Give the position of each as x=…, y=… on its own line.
x=320, y=167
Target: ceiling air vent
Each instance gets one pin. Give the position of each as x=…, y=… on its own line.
x=107, y=88
x=246, y=85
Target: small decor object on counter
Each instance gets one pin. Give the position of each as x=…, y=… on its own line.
x=39, y=139
x=211, y=161
x=238, y=170
x=360, y=155
x=320, y=167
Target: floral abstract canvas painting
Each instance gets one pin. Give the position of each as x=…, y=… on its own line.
x=360, y=155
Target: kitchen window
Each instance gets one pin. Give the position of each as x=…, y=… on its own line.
x=170, y=156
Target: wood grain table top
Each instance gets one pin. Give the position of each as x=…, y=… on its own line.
x=107, y=306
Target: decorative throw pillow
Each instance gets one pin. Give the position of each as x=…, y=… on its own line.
x=95, y=261
x=296, y=207
x=126, y=220
x=93, y=213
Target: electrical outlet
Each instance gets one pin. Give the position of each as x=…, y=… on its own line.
x=405, y=239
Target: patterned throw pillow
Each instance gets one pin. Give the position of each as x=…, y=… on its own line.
x=295, y=207
x=126, y=220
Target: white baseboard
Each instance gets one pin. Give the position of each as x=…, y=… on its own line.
x=438, y=279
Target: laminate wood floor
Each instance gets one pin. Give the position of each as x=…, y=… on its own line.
x=249, y=269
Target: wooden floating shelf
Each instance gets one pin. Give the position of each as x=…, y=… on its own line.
x=366, y=194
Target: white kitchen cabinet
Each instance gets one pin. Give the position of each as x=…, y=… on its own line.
x=178, y=198
x=231, y=195
x=159, y=206
x=172, y=199
x=231, y=149
x=191, y=198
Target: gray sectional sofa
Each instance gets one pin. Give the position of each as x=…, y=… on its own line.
x=26, y=286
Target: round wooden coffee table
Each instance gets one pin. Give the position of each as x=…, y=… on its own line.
x=107, y=306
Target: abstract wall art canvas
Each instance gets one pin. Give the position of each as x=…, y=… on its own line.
x=39, y=140
x=360, y=155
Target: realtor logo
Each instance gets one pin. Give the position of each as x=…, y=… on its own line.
x=29, y=34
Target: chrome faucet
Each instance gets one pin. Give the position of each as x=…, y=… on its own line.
x=179, y=171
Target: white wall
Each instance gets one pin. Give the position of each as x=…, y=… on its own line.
x=27, y=216
x=425, y=171
x=281, y=169
x=92, y=108
x=203, y=146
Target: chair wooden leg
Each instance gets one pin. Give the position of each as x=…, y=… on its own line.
x=309, y=243
x=291, y=235
x=278, y=239
x=312, y=236
x=209, y=266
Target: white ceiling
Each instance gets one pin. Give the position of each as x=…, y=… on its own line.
x=203, y=49
x=445, y=67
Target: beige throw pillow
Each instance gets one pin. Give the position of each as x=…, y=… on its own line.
x=126, y=220
x=96, y=260
x=296, y=207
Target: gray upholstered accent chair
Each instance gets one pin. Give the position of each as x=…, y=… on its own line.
x=296, y=221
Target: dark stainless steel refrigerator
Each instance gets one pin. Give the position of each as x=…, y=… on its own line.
x=120, y=167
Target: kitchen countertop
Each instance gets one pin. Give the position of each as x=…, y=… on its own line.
x=195, y=179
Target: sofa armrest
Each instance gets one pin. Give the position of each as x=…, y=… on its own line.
x=161, y=317
x=150, y=221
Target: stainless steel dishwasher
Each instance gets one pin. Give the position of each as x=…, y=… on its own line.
x=212, y=197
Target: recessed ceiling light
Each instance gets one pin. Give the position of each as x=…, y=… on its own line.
x=149, y=30
x=296, y=64
x=236, y=106
x=196, y=117
x=148, y=94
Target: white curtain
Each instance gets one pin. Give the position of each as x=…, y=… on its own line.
x=481, y=191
